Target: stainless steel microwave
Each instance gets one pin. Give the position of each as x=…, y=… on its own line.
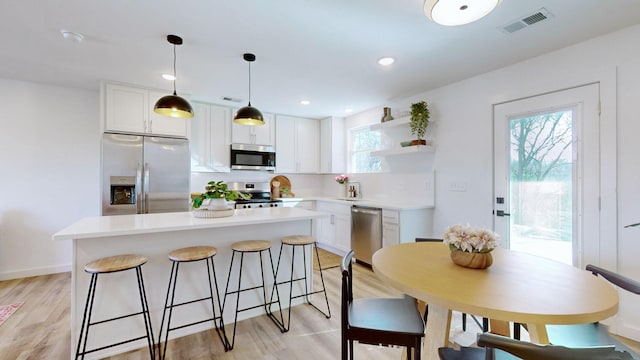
x=253, y=157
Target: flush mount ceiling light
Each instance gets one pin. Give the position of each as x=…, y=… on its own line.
x=386, y=61
x=72, y=36
x=169, y=77
x=458, y=12
x=249, y=115
x=174, y=105
x=305, y=102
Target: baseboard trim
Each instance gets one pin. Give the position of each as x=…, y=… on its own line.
x=34, y=272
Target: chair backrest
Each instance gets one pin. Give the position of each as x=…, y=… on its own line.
x=527, y=350
x=617, y=279
x=347, y=287
x=428, y=240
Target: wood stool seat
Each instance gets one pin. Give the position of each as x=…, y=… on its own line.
x=115, y=263
x=298, y=240
x=193, y=253
x=251, y=245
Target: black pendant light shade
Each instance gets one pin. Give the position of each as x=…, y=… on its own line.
x=249, y=115
x=174, y=105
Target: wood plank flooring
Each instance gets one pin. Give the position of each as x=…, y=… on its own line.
x=40, y=328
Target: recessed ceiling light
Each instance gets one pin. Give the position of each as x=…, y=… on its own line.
x=305, y=102
x=348, y=110
x=72, y=36
x=168, y=77
x=386, y=61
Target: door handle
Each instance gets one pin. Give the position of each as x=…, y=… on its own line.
x=502, y=213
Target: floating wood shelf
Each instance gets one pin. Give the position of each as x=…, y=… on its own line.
x=404, y=150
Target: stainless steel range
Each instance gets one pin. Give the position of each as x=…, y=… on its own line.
x=260, y=195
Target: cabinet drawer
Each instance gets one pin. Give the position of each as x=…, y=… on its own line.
x=390, y=216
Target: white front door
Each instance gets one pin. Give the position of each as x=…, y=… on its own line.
x=547, y=174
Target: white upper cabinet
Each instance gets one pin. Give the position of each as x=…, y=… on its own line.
x=259, y=135
x=332, y=145
x=210, y=138
x=129, y=109
x=297, y=145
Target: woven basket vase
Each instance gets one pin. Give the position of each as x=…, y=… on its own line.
x=471, y=260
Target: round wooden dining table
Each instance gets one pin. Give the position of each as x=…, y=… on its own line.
x=517, y=287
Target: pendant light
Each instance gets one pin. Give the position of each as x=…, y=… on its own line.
x=249, y=115
x=174, y=105
x=458, y=12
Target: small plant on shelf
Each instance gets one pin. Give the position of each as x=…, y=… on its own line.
x=419, y=121
x=217, y=190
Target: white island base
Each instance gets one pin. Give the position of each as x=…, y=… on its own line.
x=154, y=236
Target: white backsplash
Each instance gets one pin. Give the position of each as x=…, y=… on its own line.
x=397, y=187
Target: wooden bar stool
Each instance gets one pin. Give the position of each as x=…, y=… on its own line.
x=247, y=247
x=184, y=255
x=107, y=265
x=302, y=241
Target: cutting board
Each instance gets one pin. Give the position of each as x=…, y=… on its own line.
x=284, y=182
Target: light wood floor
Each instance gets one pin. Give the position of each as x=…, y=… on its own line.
x=40, y=328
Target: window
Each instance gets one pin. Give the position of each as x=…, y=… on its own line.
x=362, y=141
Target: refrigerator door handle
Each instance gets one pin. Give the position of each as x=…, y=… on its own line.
x=139, y=188
x=146, y=188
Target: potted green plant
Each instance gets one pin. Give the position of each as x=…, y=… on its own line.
x=419, y=121
x=219, y=193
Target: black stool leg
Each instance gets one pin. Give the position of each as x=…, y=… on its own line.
x=219, y=327
x=267, y=306
x=324, y=288
x=235, y=319
x=145, y=313
x=87, y=319
x=171, y=289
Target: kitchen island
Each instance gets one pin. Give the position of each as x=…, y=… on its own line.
x=154, y=236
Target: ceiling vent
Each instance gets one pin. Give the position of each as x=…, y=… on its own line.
x=527, y=20
x=228, y=98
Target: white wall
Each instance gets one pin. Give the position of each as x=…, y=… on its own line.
x=50, y=160
x=462, y=130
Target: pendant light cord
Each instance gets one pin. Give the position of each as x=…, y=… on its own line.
x=249, y=83
x=174, y=70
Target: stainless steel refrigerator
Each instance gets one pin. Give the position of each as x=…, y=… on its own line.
x=144, y=174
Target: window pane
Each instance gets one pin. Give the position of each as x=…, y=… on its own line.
x=363, y=141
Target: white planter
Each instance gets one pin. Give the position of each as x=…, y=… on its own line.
x=217, y=204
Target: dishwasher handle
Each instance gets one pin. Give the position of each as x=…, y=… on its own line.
x=365, y=211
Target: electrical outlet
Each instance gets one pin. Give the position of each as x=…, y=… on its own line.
x=459, y=186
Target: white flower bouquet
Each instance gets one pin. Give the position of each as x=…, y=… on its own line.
x=470, y=239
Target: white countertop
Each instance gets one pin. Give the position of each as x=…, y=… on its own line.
x=376, y=203
x=103, y=226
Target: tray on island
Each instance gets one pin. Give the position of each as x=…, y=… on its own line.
x=204, y=213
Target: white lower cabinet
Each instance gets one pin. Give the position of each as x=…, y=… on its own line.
x=334, y=232
x=404, y=226
x=302, y=204
x=390, y=228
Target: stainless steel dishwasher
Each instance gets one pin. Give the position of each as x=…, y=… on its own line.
x=366, y=232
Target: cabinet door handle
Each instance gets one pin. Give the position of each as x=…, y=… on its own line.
x=333, y=220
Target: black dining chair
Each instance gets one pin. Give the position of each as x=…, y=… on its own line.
x=377, y=321
x=593, y=334
x=503, y=348
x=485, y=322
